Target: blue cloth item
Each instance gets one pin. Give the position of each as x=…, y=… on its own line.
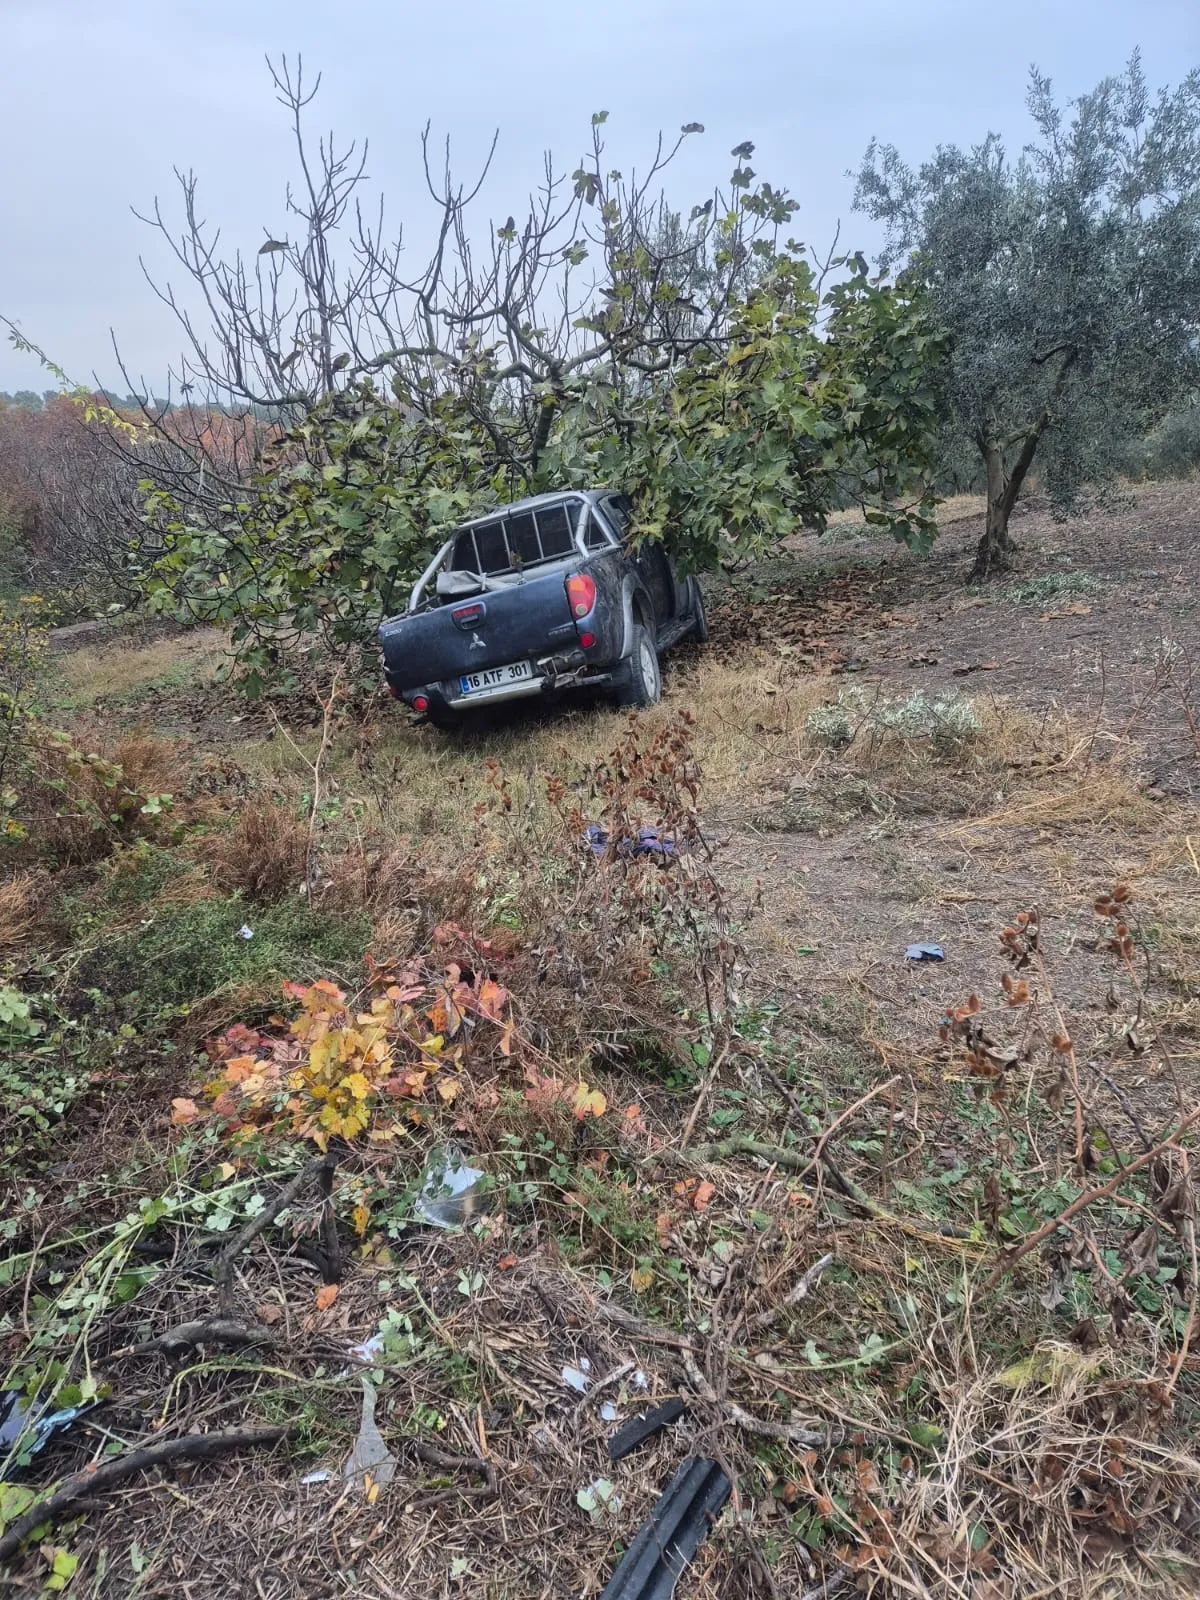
x=649, y=842
x=924, y=952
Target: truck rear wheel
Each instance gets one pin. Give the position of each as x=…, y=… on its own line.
x=641, y=679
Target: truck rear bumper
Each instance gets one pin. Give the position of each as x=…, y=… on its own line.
x=554, y=675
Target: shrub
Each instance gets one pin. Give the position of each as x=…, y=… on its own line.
x=830, y=725
x=38, y=1079
x=1049, y=586
x=72, y=804
x=948, y=723
x=1173, y=449
x=264, y=855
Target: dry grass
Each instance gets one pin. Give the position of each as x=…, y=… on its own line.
x=750, y=733
x=22, y=906
x=118, y=671
x=263, y=854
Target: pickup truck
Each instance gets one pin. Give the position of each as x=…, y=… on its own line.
x=537, y=598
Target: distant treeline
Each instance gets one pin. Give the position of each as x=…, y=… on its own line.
x=30, y=400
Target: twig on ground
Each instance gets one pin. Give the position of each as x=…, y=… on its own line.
x=1127, y=1107
x=1189, y=1228
x=1088, y=1198
x=93, y=1479
x=223, y=1272
x=206, y=1330
x=608, y=1311
x=744, y=1144
x=606, y=1382
x=789, y=1432
x=801, y=1291
x=827, y=1135
x=702, y=1095
x=433, y=1457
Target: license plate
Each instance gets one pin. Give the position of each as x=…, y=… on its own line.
x=496, y=677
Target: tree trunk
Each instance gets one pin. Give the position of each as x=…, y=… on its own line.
x=994, y=549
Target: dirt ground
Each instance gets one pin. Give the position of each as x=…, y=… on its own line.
x=845, y=894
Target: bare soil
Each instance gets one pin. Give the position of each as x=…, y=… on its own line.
x=851, y=885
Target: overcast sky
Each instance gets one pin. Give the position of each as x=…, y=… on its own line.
x=101, y=100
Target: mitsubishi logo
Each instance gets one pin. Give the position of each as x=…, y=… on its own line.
x=477, y=643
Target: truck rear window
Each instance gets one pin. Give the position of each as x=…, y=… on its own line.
x=522, y=539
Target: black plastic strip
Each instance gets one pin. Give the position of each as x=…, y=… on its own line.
x=671, y=1534
x=632, y=1434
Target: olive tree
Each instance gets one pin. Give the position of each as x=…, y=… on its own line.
x=1067, y=279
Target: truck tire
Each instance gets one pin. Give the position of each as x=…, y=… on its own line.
x=699, y=614
x=641, y=676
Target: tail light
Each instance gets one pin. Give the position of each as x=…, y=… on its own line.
x=587, y=640
x=420, y=703
x=468, y=617
x=581, y=594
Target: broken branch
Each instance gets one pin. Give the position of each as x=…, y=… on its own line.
x=93, y=1479
x=207, y=1330
x=801, y=1291
x=789, y=1432
x=1088, y=1198
x=223, y=1272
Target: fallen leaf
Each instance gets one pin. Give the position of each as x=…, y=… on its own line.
x=183, y=1112
x=703, y=1195
x=589, y=1101
x=641, y=1278
x=507, y=1263
x=326, y=1295
x=361, y=1217
x=268, y=1314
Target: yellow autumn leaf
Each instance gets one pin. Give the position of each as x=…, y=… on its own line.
x=357, y=1085
x=435, y=1045
x=448, y=1089
x=641, y=1278
x=589, y=1102
x=361, y=1218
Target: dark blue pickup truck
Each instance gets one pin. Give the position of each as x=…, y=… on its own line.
x=536, y=598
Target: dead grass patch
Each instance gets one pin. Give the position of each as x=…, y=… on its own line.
x=121, y=671
x=22, y=903
x=263, y=854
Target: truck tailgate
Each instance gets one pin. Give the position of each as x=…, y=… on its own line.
x=512, y=624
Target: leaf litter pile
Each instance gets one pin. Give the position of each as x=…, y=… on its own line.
x=403, y=1261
